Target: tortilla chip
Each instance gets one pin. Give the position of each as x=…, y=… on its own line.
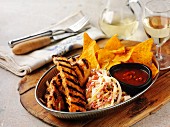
x=142, y=52
x=119, y=50
x=104, y=56
x=154, y=70
x=104, y=65
x=113, y=43
x=112, y=63
x=87, y=40
x=124, y=57
x=89, y=54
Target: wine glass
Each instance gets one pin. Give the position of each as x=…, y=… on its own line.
x=156, y=22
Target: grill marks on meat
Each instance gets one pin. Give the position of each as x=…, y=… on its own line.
x=73, y=75
x=53, y=96
x=72, y=60
x=58, y=84
x=82, y=70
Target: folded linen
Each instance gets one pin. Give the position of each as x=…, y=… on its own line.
x=24, y=64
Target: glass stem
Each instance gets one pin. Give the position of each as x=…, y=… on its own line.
x=158, y=49
x=158, y=52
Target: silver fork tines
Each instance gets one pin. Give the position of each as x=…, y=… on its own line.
x=80, y=24
x=75, y=27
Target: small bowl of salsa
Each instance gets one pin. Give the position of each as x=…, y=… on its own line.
x=133, y=77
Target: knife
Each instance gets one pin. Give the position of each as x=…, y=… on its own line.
x=39, y=42
x=28, y=45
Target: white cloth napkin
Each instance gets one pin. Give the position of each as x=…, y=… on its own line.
x=24, y=64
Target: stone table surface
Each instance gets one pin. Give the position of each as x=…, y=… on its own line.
x=22, y=17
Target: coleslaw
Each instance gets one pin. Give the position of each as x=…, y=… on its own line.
x=103, y=90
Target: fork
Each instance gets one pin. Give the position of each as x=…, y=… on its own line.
x=77, y=27
x=47, y=37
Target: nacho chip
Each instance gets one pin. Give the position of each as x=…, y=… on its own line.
x=119, y=50
x=154, y=70
x=104, y=56
x=112, y=63
x=124, y=57
x=104, y=65
x=87, y=40
x=113, y=43
x=89, y=54
x=142, y=52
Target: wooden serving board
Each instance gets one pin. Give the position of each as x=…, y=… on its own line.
x=151, y=101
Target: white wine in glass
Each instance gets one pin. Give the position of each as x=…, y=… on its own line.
x=156, y=22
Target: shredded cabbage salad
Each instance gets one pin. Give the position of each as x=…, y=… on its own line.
x=103, y=90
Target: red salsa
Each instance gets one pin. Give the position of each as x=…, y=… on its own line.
x=131, y=76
